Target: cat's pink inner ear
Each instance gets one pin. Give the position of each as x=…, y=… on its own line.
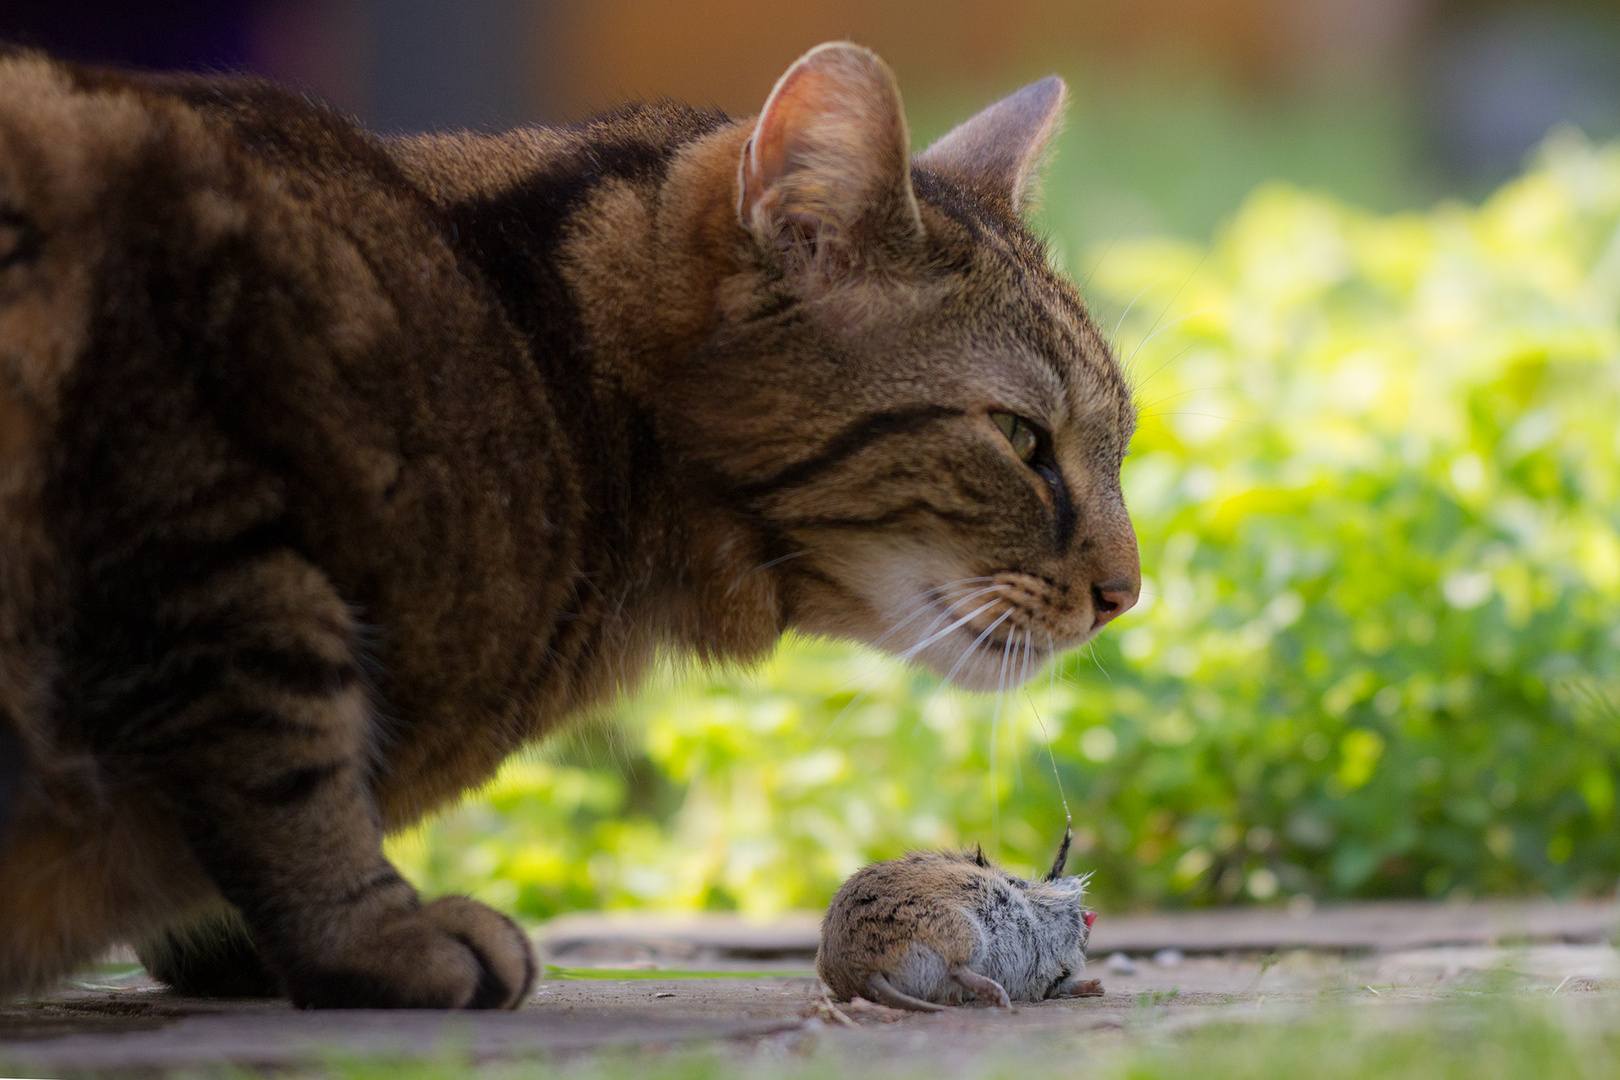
x=998, y=152
x=770, y=155
x=829, y=149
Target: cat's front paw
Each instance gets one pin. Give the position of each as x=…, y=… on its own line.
x=453, y=953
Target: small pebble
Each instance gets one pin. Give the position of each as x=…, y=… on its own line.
x=663, y=995
x=1168, y=958
x=1120, y=964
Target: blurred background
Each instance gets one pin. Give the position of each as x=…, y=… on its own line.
x=1182, y=105
x=1362, y=260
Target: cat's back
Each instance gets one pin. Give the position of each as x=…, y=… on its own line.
x=231, y=317
x=147, y=207
x=228, y=318
x=196, y=262
x=421, y=276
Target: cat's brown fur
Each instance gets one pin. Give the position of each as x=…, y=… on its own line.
x=334, y=469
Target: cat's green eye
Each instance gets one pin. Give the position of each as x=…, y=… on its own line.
x=1019, y=432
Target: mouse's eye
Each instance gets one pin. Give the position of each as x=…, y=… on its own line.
x=1020, y=433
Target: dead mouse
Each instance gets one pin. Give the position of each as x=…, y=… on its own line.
x=923, y=931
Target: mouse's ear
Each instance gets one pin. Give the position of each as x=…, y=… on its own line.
x=978, y=855
x=1062, y=859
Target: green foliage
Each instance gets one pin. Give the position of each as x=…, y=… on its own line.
x=1377, y=484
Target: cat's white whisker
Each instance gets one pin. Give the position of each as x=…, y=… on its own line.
x=1162, y=329
x=1092, y=648
x=867, y=690
x=927, y=604
x=924, y=607
x=971, y=649
x=1051, y=664
x=1046, y=736
x=1171, y=302
x=995, y=733
x=966, y=655
x=1137, y=384
x=921, y=645
x=1122, y=315
x=1150, y=408
x=1012, y=718
x=965, y=581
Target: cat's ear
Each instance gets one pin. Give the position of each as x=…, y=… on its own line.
x=826, y=175
x=998, y=152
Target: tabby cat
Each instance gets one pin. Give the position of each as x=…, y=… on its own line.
x=334, y=469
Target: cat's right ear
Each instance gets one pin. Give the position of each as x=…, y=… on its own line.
x=825, y=178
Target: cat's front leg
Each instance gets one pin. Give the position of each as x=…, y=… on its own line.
x=263, y=748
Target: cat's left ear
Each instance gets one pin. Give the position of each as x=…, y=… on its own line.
x=826, y=175
x=998, y=152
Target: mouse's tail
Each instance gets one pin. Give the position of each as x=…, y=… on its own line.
x=883, y=992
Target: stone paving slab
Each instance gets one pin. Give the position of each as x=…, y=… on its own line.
x=1372, y=927
x=147, y=1029
x=143, y=1027
x=272, y=1039
x=123, y=1022
x=1369, y=927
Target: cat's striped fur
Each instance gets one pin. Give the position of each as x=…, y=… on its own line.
x=333, y=469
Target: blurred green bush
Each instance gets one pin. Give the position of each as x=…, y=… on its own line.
x=1377, y=484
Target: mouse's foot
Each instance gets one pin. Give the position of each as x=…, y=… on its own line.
x=984, y=988
x=1088, y=988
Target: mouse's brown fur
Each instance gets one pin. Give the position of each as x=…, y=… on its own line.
x=887, y=908
x=333, y=469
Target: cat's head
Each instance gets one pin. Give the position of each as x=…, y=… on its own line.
x=907, y=402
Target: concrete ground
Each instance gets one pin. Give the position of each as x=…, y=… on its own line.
x=655, y=983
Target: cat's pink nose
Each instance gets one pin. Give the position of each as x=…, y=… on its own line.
x=1112, y=599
